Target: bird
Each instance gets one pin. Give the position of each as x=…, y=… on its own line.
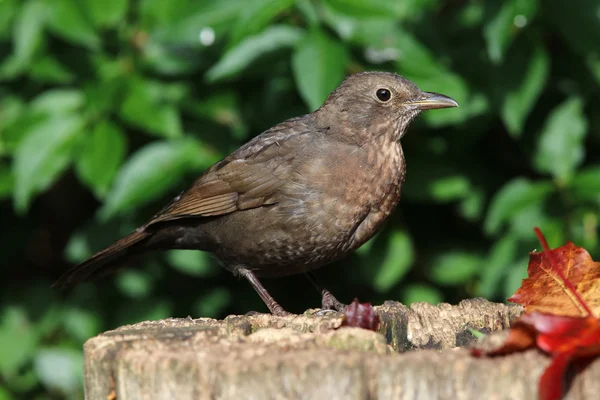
x=300, y=195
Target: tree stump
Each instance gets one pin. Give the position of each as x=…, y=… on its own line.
x=414, y=355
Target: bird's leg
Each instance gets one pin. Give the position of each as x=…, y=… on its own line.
x=270, y=302
x=328, y=301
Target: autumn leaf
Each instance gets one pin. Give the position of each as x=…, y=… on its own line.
x=568, y=340
x=560, y=297
x=545, y=291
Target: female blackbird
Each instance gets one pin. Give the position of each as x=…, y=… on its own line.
x=298, y=196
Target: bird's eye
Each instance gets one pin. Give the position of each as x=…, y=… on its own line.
x=383, y=94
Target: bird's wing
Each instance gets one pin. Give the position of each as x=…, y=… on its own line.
x=249, y=178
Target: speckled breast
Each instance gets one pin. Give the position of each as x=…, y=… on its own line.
x=352, y=190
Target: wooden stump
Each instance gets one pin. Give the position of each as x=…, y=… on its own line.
x=307, y=357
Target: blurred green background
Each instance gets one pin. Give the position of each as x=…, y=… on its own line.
x=108, y=108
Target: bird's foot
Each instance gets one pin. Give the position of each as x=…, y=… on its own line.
x=329, y=302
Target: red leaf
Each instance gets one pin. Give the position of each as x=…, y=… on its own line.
x=568, y=340
x=520, y=337
x=360, y=315
x=560, y=297
x=558, y=333
x=552, y=383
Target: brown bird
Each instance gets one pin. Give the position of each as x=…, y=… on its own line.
x=300, y=195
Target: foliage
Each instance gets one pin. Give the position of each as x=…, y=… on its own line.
x=109, y=108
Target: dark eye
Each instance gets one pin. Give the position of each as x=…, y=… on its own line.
x=383, y=94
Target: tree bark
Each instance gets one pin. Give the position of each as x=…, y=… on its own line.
x=309, y=356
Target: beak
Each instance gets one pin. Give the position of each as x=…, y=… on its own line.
x=429, y=101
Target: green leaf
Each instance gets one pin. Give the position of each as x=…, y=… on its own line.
x=364, y=8
x=515, y=275
x=518, y=103
x=308, y=11
x=11, y=67
x=432, y=178
x=49, y=322
x=134, y=283
x=214, y=16
x=12, y=111
x=585, y=185
x=501, y=257
x=455, y=268
x=106, y=13
x=471, y=15
x=347, y=27
x=7, y=181
x=561, y=145
x=513, y=197
x=224, y=109
x=253, y=48
x=99, y=160
x=157, y=14
x=190, y=262
x=103, y=96
x=523, y=222
x=396, y=263
x=450, y=188
x=593, y=63
x=212, y=304
x=377, y=8
x=58, y=101
x=5, y=394
x=17, y=340
x=419, y=292
x=147, y=108
x=149, y=173
x=80, y=324
x=42, y=156
x=503, y=28
x=48, y=70
x=60, y=369
x=78, y=248
x=472, y=205
x=318, y=65
x=18, y=129
x=8, y=12
x=28, y=30
x=167, y=59
x=67, y=20
x=255, y=15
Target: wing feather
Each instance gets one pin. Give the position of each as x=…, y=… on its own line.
x=249, y=178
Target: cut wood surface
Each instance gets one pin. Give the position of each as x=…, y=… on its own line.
x=309, y=356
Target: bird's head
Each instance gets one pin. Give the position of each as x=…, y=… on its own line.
x=371, y=104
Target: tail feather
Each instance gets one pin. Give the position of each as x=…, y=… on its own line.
x=124, y=247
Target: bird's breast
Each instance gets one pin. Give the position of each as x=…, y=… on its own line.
x=356, y=189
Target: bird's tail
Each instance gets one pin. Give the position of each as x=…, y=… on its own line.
x=108, y=257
